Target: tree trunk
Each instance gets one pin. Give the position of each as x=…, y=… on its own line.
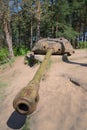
x=52, y=2
x=56, y=30
x=31, y=44
x=38, y=29
x=19, y=36
x=8, y=38
x=38, y=15
x=56, y=26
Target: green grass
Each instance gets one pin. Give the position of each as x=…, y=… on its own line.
x=3, y=67
x=82, y=45
x=27, y=124
x=9, y=63
x=2, y=90
x=3, y=55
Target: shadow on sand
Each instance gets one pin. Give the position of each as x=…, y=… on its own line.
x=16, y=120
x=65, y=59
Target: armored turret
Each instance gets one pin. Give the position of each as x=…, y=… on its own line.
x=60, y=46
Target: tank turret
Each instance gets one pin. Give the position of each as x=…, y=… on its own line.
x=60, y=46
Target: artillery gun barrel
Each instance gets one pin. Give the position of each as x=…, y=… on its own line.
x=26, y=100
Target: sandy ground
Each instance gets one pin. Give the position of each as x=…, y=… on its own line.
x=63, y=93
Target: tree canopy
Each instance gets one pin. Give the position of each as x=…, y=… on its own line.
x=22, y=22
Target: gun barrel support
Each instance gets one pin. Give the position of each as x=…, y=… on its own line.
x=26, y=100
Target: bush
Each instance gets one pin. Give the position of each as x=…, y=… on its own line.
x=3, y=55
x=20, y=50
x=82, y=45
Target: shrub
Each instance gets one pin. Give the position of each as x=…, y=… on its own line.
x=3, y=55
x=82, y=45
x=20, y=50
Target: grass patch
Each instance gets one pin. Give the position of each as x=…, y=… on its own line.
x=5, y=65
x=2, y=85
x=27, y=124
x=2, y=90
x=82, y=45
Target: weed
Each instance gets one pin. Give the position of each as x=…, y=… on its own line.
x=11, y=61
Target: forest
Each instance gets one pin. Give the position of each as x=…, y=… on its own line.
x=23, y=22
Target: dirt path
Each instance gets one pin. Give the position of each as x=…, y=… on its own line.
x=63, y=93
x=17, y=77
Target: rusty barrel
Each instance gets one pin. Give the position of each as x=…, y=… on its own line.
x=26, y=100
